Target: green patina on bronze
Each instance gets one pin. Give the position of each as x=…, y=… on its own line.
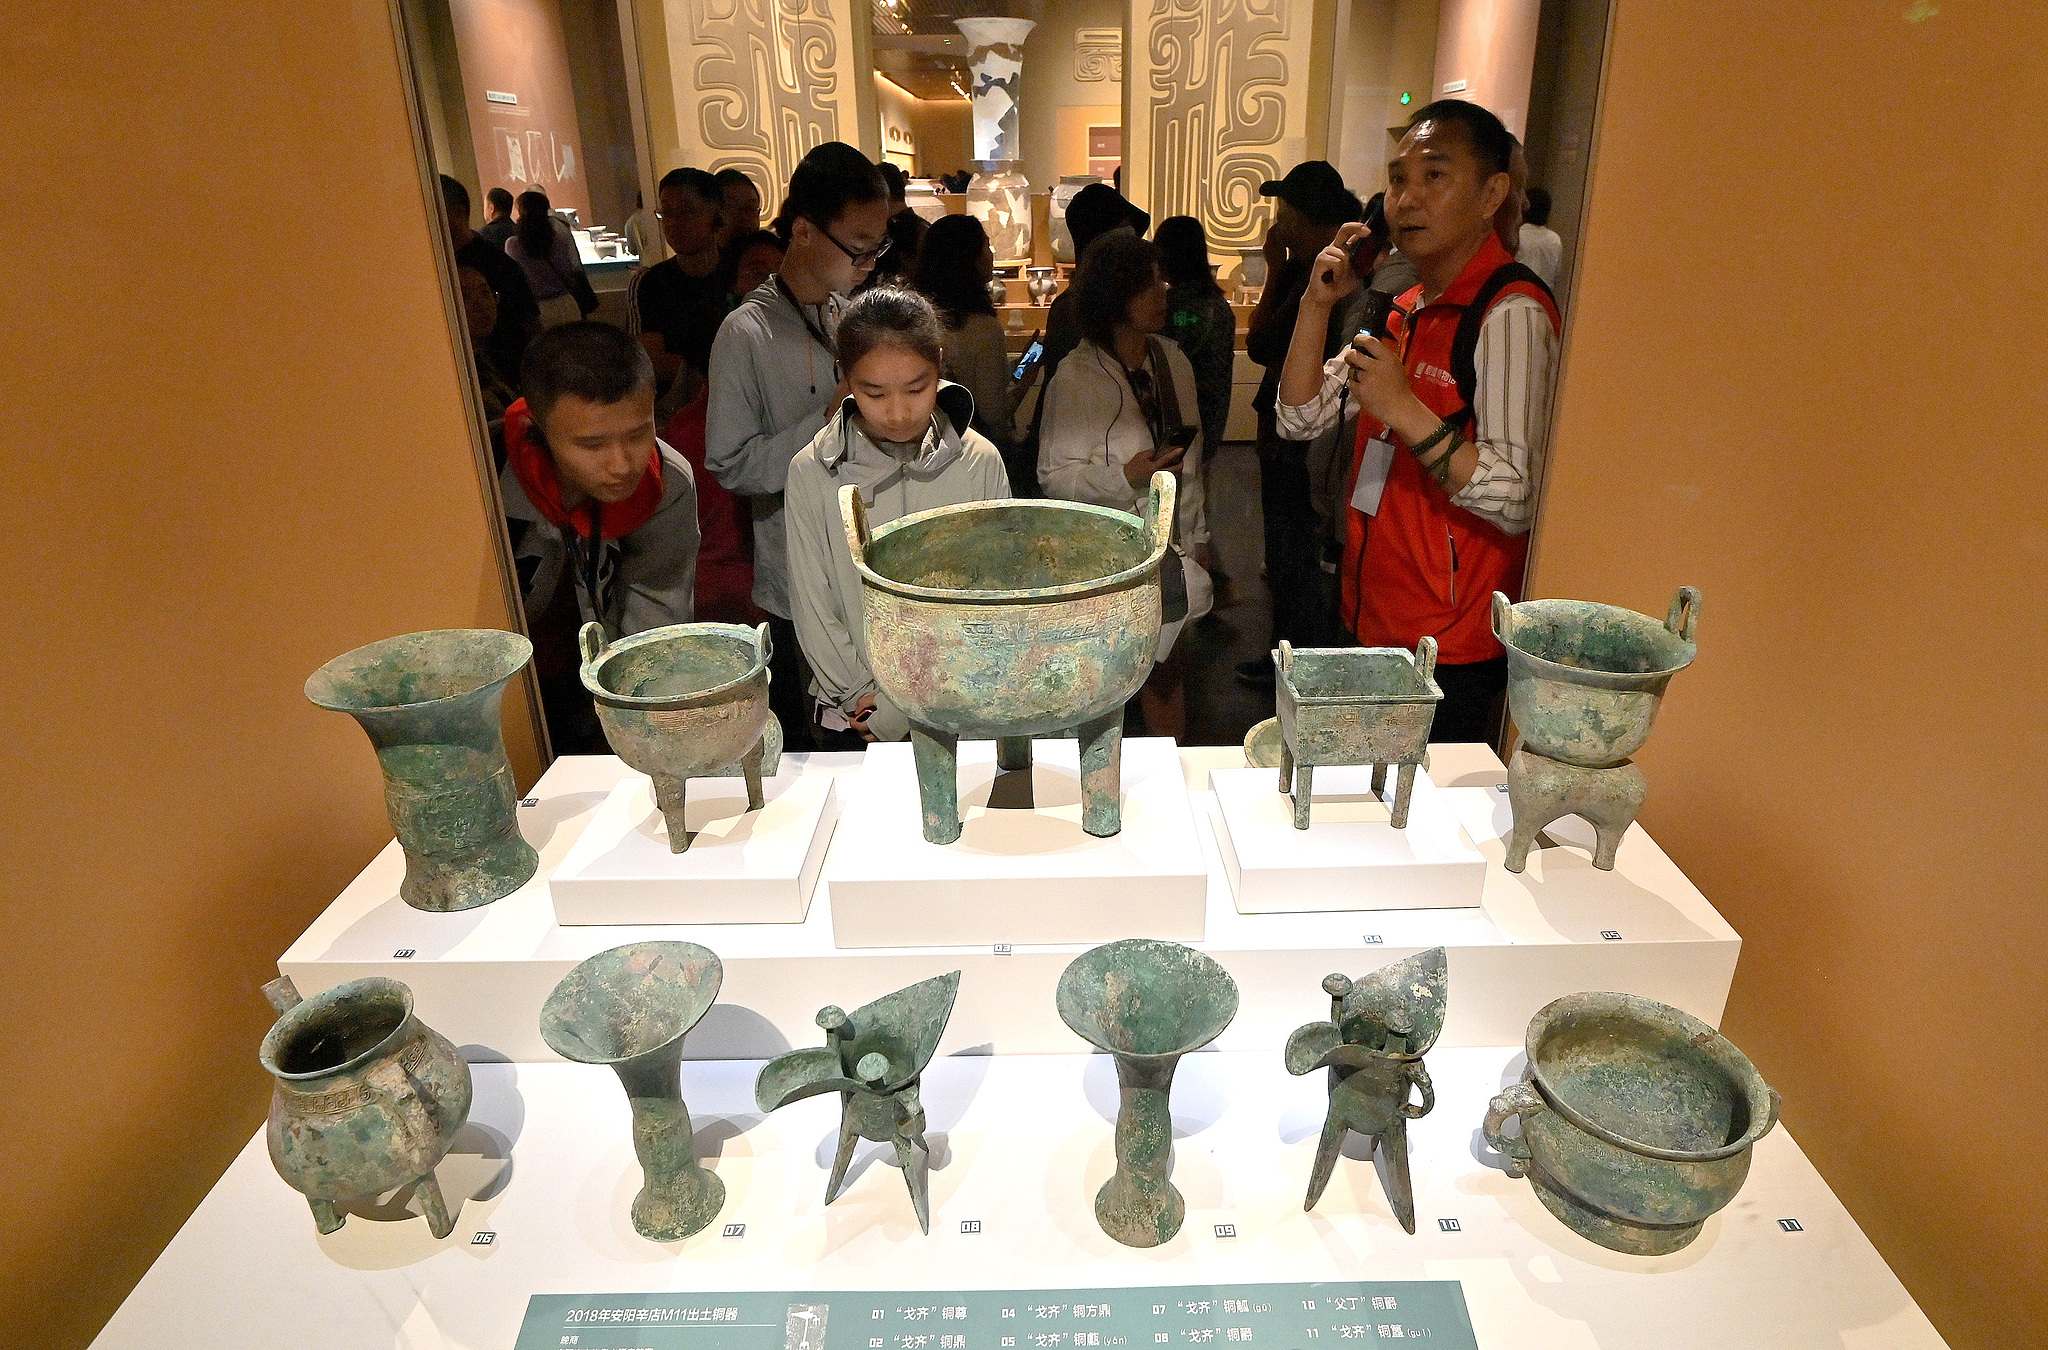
x=873, y=1059
x=429, y=703
x=630, y=1008
x=1379, y=1029
x=1147, y=1003
x=366, y=1098
x=1584, y=682
x=1637, y=1120
x=1010, y=620
x=684, y=702
x=1354, y=705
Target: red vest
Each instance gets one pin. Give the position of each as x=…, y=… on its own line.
x=1423, y=566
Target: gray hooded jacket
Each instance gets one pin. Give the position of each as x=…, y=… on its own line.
x=955, y=464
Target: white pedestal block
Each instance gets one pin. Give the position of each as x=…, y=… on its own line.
x=742, y=866
x=1350, y=857
x=1017, y=875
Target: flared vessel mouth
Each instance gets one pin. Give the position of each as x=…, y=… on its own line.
x=1146, y=999
x=417, y=670
x=630, y=1001
x=1584, y=638
x=337, y=1029
x=1009, y=552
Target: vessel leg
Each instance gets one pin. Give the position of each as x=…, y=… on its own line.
x=1326, y=1158
x=1405, y=788
x=1102, y=748
x=750, y=765
x=1379, y=781
x=938, y=782
x=1013, y=753
x=1304, y=793
x=848, y=1137
x=1286, y=767
x=325, y=1216
x=1400, y=1191
x=439, y=1223
x=669, y=795
x=914, y=1160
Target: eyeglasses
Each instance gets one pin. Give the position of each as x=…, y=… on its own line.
x=857, y=259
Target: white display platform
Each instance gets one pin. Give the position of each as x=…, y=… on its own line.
x=1350, y=857
x=1020, y=1145
x=741, y=867
x=1014, y=875
x=480, y=976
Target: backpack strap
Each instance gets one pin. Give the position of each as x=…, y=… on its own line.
x=1465, y=343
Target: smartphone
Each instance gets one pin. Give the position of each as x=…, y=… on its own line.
x=1032, y=356
x=1183, y=436
x=1377, y=307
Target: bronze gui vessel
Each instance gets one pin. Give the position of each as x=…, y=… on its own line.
x=1011, y=620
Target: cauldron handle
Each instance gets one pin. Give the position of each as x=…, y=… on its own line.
x=590, y=641
x=1683, y=618
x=1425, y=657
x=1284, y=656
x=1159, y=513
x=1519, y=1100
x=854, y=512
x=764, y=644
x=284, y=996
x=1502, y=608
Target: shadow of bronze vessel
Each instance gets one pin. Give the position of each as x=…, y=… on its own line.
x=1354, y=705
x=1147, y=1003
x=1637, y=1120
x=629, y=1008
x=367, y=1097
x=429, y=703
x=1009, y=620
x=1584, y=684
x=683, y=702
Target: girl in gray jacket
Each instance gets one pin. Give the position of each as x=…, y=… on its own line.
x=902, y=437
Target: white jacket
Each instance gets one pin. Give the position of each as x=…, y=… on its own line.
x=1092, y=426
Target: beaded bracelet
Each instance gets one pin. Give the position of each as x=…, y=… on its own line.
x=1421, y=447
x=1440, y=470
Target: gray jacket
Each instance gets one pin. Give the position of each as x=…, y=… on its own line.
x=771, y=391
x=955, y=464
x=647, y=579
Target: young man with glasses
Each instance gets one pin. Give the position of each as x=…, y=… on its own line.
x=774, y=381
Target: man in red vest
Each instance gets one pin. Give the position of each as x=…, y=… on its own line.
x=1454, y=411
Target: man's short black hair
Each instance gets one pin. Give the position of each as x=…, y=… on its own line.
x=696, y=182
x=1538, y=210
x=893, y=175
x=832, y=177
x=728, y=178
x=500, y=200
x=1492, y=144
x=594, y=361
x=455, y=196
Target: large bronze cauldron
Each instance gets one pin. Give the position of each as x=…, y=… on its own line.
x=1009, y=620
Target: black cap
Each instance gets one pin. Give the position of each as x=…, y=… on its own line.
x=1099, y=208
x=1315, y=188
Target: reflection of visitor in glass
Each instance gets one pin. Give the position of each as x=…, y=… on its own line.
x=953, y=272
x=594, y=498
x=755, y=260
x=1452, y=439
x=674, y=307
x=545, y=250
x=500, y=227
x=740, y=202
x=1199, y=318
x=773, y=379
x=903, y=437
x=480, y=313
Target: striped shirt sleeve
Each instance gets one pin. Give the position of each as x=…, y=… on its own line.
x=1516, y=363
x=1306, y=421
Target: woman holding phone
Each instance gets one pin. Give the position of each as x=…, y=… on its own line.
x=1121, y=407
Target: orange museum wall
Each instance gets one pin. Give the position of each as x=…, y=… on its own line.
x=1804, y=375
x=236, y=447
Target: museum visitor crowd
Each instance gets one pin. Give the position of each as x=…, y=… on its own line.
x=688, y=466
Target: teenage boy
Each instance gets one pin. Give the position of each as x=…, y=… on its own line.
x=774, y=379
x=1454, y=416
x=594, y=500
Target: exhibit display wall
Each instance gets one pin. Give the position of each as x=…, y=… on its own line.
x=1836, y=441
x=236, y=447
